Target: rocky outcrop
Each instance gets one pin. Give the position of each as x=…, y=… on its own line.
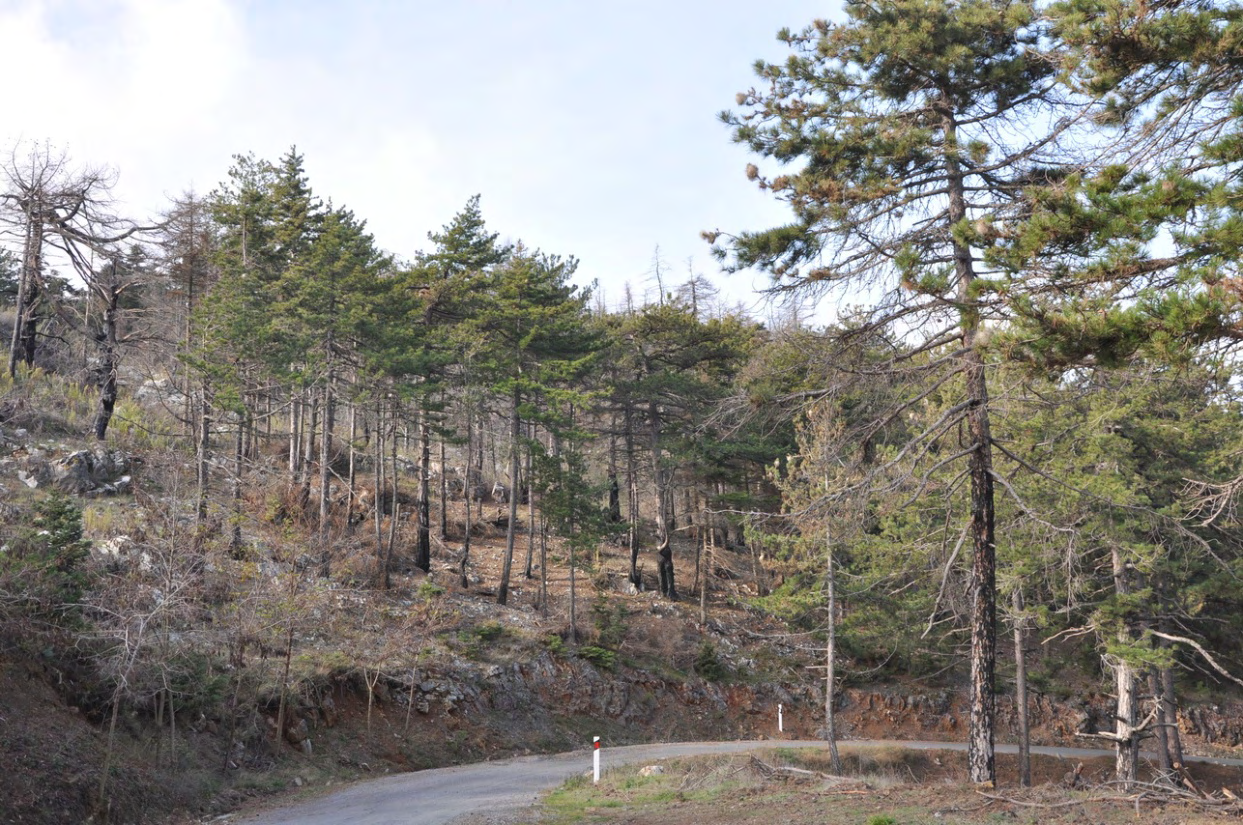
x=545, y=693
x=98, y=471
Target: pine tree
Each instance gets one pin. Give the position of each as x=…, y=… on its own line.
x=534, y=344
x=464, y=246
x=665, y=371
x=1103, y=530
x=914, y=124
x=448, y=282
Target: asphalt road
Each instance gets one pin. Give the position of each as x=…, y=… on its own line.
x=438, y=796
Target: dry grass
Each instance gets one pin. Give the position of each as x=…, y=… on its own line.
x=890, y=786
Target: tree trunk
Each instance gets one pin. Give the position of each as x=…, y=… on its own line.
x=515, y=424
x=660, y=480
x=21, y=347
x=981, y=761
x=1126, y=736
x=283, y=703
x=423, y=546
x=350, y=473
x=444, y=493
x=530, y=473
x=543, y=566
x=107, y=338
x=632, y=501
x=614, y=487
x=573, y=597
x=394, y=508
x=1169, y=706
x=1164, y=761
x=109, y=749
x=466, y=491
x=295, y=436
x=1126, y=746
x=830, y=659
x=308, y=442
x=614, y=497
x=702, y=565
x=202, y=468
x=378, y=487
x=235, y=534
x=325, y=477
x=1020, y=687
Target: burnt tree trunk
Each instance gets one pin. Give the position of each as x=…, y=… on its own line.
x=981, y=761
x=25, y=321
x=423, y=546
x=106, y=287
x=660, y=481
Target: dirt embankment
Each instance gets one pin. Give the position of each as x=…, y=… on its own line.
x=452, y=713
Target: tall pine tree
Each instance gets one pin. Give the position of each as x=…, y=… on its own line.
x=910, y=129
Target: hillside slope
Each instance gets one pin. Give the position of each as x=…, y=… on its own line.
x=195, y=673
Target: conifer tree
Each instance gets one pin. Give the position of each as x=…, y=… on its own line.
x=666, y=370
x=448, y=281
x=535, y=343
x=913, y=125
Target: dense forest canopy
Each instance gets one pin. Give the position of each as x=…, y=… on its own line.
x=1025, y=413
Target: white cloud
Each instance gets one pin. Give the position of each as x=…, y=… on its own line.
x=129, y=85
x=588, y=129
x=184, y=58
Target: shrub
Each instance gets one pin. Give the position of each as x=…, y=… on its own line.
x=476, y=638
x=429, y=590
x=708, y=665
x=598, y=656
x=610, y=622
x=43, y=565
x=555, y=644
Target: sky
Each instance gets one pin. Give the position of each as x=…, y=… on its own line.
x=588, y=127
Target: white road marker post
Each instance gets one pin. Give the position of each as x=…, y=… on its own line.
x=780, y=720
x=595, y=759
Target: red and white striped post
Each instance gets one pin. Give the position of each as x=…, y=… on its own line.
x=595, y=759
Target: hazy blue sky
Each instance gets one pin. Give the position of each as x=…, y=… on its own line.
x=588, y=127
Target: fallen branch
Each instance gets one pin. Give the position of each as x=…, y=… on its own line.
x=1024, y=804
x=772, y=772
x=1148, y=792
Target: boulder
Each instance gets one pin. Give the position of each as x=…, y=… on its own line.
x=93, y=472
x=297, y=732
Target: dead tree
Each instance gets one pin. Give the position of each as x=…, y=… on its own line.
x=68, y=214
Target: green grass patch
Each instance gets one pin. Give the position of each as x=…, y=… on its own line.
x=692, y=780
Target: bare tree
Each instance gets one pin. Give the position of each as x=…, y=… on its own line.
x=34, y=183
x=68, y=213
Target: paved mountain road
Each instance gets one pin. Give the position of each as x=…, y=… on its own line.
x=440, y=795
